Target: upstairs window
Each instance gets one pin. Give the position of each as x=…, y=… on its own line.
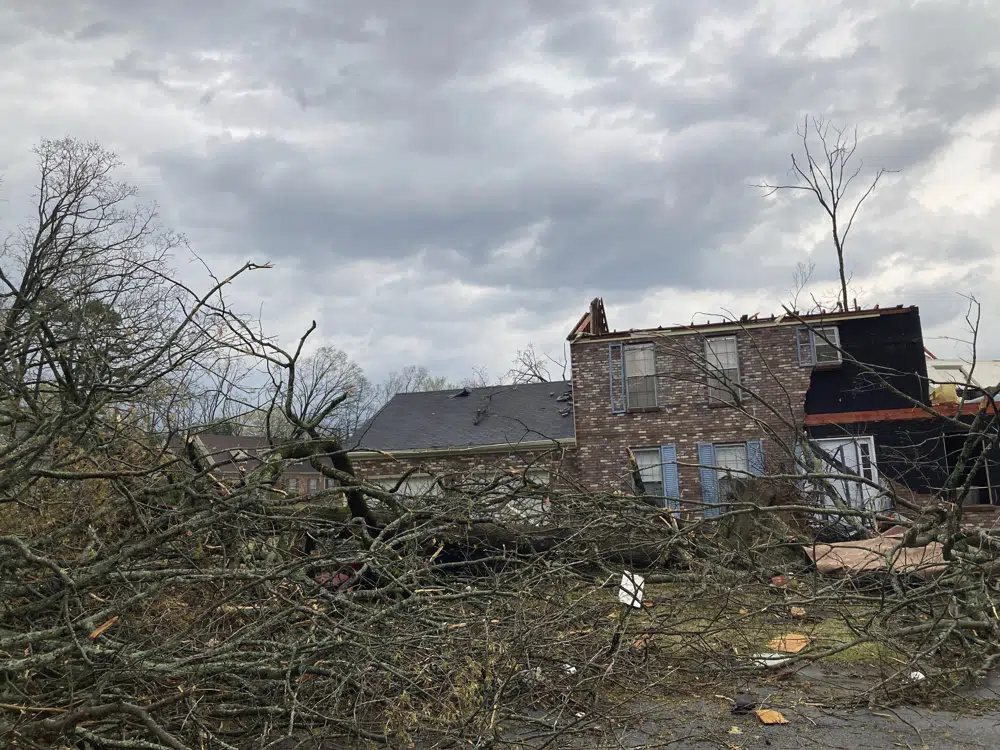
x=819, y=347
x=722, y=359
x=640, y=376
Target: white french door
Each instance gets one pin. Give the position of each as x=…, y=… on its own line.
x=857, y=455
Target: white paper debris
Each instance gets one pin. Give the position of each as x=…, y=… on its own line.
x=770, y=660
x=569, y=669
x=632, y=589
x=917, y=676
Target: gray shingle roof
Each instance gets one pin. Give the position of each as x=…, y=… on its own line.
x=464, y=418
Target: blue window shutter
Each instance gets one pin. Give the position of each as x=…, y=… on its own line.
x=616, y=377
x=671, y=484
x=709, y=484
x=755, y=457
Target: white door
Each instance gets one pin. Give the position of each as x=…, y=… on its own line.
x=857, y=454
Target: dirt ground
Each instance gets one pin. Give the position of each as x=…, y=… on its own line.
x=969, y=719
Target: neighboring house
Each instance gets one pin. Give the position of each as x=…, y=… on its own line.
x=963, y=374
x=668, y=395
x=228, y=453
x=471, y=433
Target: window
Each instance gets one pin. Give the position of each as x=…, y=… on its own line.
x=313, y=484
x=731, y=462
x=330, y=483
x=640, y=375
x=650, y=470
x=847, y=457
x=292, y=483
x=819, y=346
x=865, y=461
x=724, y=365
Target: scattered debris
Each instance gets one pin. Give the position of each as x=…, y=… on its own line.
x=642, y=642
x=770, y=716
x=917, y=676
x=569, y=669
x=798, y=611
x=103, y=627
x=633, y=587
x=790, y=643
x=868, y=555
x=779, y=581
x=745, y=703
x=735, y=730
x=770, y=660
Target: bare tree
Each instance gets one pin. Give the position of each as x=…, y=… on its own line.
x=408, y=380
x=827, y=172
x=480, y=378
x=531, y=367
x=326, y=375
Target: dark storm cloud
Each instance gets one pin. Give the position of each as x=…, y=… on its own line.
x=623, y=139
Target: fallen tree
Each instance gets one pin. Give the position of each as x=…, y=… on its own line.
x=147, y=603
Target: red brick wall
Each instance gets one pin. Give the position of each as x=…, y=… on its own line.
x=769, y=368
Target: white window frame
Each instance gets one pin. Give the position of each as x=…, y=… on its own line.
x=807, y=340
x=719, y=376
x=292, y=484
x=724, y=473
x=650, y=470
x=851, y=492
x=312, y=484
x=648, y=361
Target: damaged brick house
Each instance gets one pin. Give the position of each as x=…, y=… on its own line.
x=468, y=433
x=699, y=405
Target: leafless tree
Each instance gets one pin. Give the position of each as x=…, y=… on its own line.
x=827, y=170
x=531, y=367
x=480, y=378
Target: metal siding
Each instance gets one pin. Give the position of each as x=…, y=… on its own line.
x=709, y=484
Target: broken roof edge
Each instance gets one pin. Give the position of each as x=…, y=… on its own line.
x=593, y=322
x=745, y=322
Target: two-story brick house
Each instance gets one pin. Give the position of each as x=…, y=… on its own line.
x=698, y=405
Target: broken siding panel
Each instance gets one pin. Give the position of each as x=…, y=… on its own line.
x=616, y=378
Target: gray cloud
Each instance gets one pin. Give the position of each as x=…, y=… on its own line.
x=517, y=158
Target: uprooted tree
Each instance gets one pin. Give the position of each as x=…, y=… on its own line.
x=147, y=603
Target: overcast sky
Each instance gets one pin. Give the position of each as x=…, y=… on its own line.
x=442, y=181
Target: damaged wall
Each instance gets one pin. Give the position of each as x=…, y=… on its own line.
x=892, y=344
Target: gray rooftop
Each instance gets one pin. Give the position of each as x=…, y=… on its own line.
x=470, y=417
